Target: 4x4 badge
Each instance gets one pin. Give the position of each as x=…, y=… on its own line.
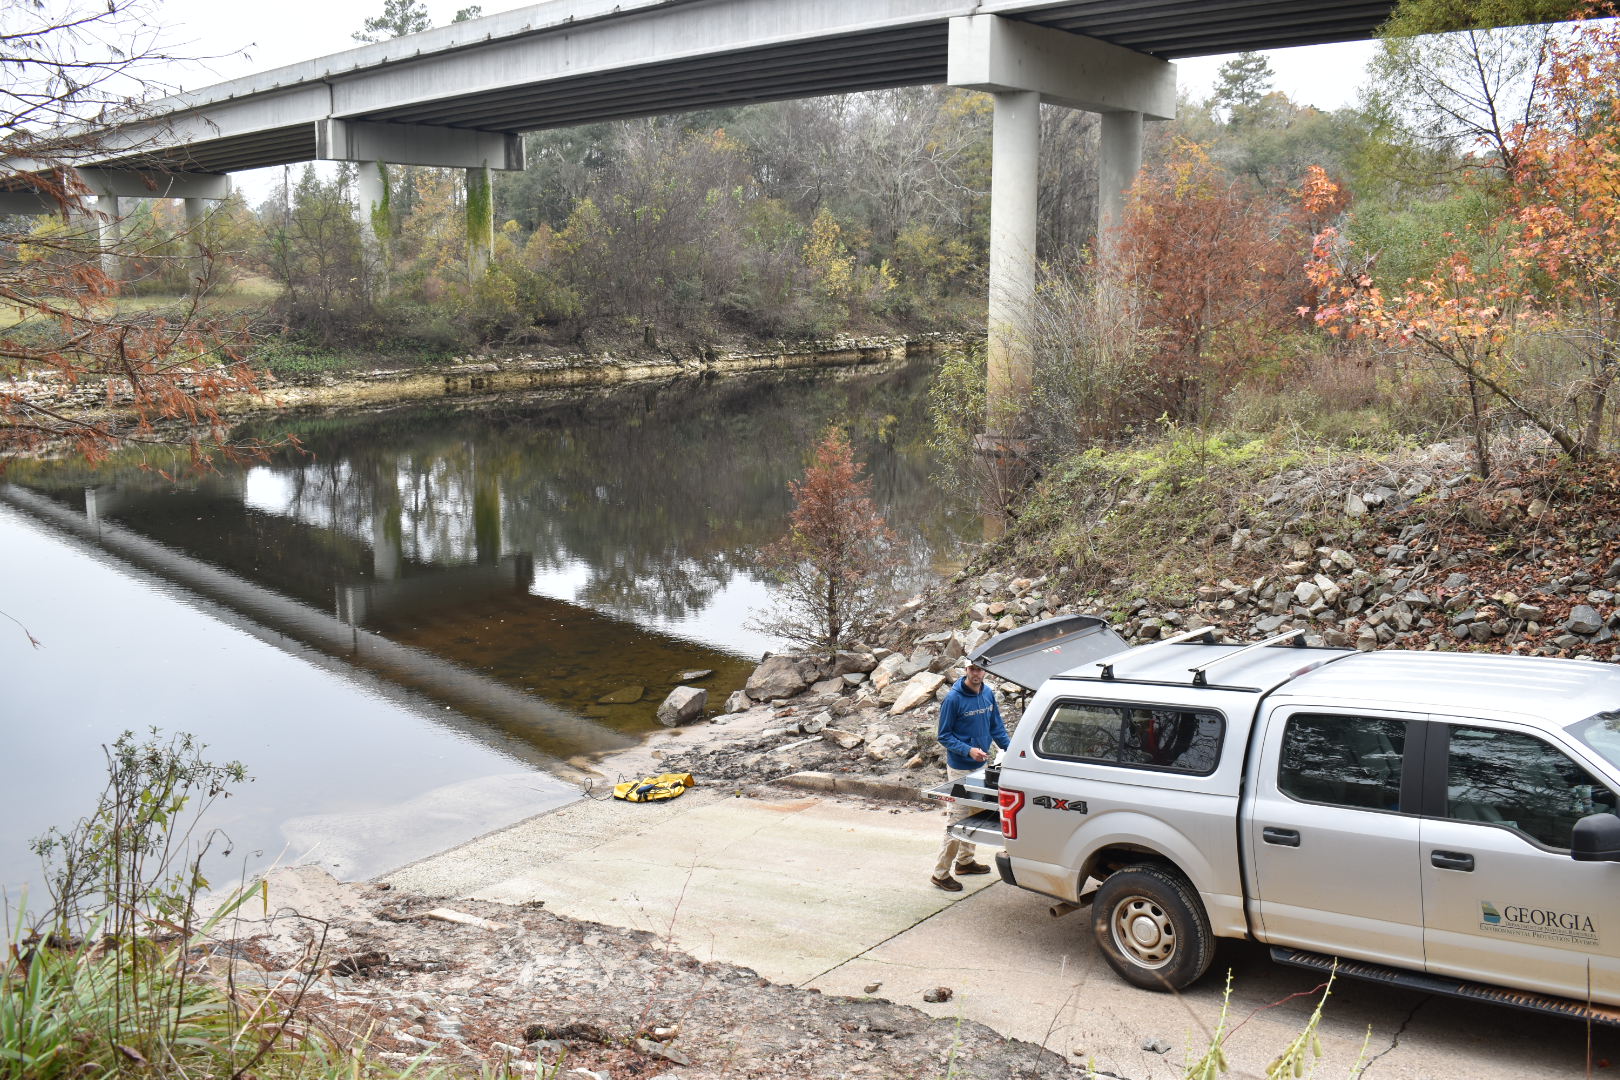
x=1046, y=801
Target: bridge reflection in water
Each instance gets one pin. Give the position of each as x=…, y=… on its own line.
x=471, y=638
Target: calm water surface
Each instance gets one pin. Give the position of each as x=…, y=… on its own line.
x=399, y=632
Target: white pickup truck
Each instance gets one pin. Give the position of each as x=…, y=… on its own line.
x=1444, y=821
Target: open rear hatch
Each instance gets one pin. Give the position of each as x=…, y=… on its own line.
x=1032, y=654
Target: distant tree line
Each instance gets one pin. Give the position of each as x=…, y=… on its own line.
x=798, y=219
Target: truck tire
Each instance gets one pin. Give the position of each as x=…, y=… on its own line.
x=1151, y=928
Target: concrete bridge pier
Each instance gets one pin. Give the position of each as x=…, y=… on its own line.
x=196, y=235
x=1119, y=160
x=372, y=197
x=480, y=189
x=110, y=187
x=370, y=145
x=108, y=221
x=101, y=211
x=1014, y=195
x=1023, y=65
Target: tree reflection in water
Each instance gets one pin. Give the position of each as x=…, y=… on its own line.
x=647, y=502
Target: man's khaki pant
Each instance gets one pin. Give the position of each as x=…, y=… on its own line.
x=954, y=852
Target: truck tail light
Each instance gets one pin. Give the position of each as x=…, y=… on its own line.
x=1011, y=802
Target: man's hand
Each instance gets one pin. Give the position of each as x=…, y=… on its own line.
x=976, y=754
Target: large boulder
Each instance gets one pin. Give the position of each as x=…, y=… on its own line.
x=917, y=690
x=890, y=668
x=685, y=703
x=848, y=661
x=886, y=746
x=779, y=677
x=847, y=740
x=1330, y=590
x=816, y=724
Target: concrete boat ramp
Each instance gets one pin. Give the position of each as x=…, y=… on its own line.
x=834, y=895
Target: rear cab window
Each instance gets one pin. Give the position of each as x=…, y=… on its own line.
x=1169, y=739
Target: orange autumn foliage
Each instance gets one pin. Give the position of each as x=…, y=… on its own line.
x=832, y=567
x=1218, y=265
x=1548, y=264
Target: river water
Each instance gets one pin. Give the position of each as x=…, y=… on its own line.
x=400, y=631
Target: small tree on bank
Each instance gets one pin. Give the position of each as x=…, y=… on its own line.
x=834, y=567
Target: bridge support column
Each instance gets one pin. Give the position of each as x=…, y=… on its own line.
x=110, y=186
x=480, y=221
x=478, y=152
x=196, y=224
x=109, y=222
x=1022, y=66
x=1014, y=195
x=1118, y=162
x=372, y=195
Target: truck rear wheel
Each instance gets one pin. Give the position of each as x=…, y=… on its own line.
x=1151, y=928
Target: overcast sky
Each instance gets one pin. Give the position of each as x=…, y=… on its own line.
x=246, y=39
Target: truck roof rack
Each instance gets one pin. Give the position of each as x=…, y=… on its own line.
x=1200, y=673
x=1205, y=632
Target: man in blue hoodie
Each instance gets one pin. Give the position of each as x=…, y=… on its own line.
x=969, y=723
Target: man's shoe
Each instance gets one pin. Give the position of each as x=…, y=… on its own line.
x=948, y=883
x=972, y=868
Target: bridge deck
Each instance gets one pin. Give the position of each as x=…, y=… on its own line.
x=569, y=62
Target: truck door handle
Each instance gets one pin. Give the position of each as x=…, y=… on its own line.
x=1281, y=837
x=1452, y=860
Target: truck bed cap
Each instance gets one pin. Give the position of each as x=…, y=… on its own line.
x=1086, y=647
x=1032, y=654
x=1259, y=669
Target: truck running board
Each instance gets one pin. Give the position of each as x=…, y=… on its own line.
x=1444, y=984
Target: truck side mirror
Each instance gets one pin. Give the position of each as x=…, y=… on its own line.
x=1596, y=839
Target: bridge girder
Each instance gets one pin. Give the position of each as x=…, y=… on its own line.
x=127, y=184
x=417, y=144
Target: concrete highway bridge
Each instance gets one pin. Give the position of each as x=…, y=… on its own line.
x=461, y=95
